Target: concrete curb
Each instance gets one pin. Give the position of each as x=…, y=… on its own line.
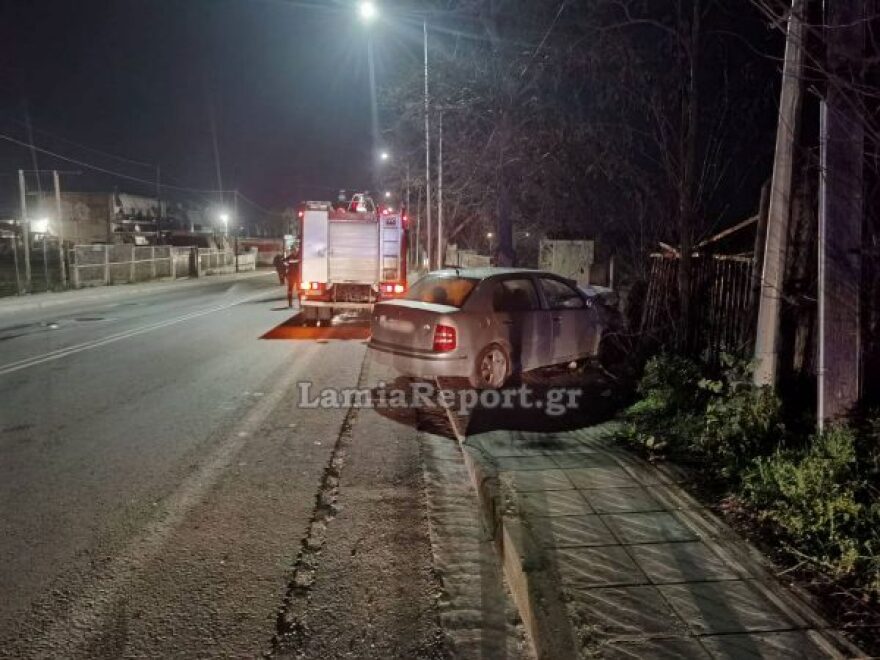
x=40, y=301
x=537, y=591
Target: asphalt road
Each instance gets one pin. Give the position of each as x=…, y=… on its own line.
x=158, y=484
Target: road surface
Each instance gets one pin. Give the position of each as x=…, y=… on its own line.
x=162, y=493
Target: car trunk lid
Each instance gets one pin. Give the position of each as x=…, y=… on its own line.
x=408, y=324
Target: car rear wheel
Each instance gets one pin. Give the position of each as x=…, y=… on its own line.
x=491, y=368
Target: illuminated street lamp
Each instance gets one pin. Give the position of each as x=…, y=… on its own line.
x=384, y=155
x=224, y=218
x=40, y=226
x=387, y=194
x=368, y=12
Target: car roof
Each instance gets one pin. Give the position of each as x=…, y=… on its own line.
x=487, y=272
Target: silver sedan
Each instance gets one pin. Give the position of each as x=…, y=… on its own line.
x=485, y=324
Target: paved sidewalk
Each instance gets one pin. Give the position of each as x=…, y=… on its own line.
x=607, y=556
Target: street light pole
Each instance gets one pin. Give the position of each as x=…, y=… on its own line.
x=25, y=232
x=427, y=146
x=440, y=192
x=62, y=266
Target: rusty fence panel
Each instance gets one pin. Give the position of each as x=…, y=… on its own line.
x=721, y=300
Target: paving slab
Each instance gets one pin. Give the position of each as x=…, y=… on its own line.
x=593, y=567
x=794, y=645
x=667, y=563
x=554, y=503
x=623, y=500
x=613, y=612
x=649, y=527
x=655, y=649
x=571, y=531
x=726, y=607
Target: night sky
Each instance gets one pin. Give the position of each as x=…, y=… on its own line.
x=288, y=83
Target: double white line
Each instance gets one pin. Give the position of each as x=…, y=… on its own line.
x=87, y=346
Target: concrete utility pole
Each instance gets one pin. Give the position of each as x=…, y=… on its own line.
x=427, y=148
x=773, y=274
x=440, y=193
x=62, y=266
x=25, y=232
x=841, y=211
x=235, y=225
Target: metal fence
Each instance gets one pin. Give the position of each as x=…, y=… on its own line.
x=721, y=298
x=101, y=265
x=97, y=265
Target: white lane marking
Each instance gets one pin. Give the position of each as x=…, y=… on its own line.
x=58, y=353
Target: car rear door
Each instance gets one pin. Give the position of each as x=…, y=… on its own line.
x=573, y=323
x=521, y=321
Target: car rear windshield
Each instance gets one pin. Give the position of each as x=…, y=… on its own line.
x=451, y=291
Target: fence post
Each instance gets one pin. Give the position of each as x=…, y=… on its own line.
x=106, y=265
x=132, y=272
x=74, y=267
x=152, y=262
x=171, y=261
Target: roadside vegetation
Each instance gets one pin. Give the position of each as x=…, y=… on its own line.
x=809, y=498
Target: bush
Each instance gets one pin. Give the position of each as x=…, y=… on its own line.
x=819, y=499
x=741, y=420
x=668, y=415
x=725, y=421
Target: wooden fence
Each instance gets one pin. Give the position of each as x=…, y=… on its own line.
x=721, y=300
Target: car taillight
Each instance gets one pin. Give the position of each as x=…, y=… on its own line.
x=444, y=339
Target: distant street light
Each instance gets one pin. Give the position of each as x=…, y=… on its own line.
x=384, y=155
x=387, y=194
x=40, y=226
x=368, y=12
x=489, y=234
x=224, y=218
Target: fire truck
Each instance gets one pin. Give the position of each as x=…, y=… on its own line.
x=352, y=254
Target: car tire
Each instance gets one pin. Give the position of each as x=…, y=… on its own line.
x=491, y=368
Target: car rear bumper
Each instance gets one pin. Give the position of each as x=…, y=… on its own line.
x=422, y=365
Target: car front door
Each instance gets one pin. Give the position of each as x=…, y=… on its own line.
x=522, y=322
x=573, y=323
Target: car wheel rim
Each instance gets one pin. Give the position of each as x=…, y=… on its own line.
x=493, y=368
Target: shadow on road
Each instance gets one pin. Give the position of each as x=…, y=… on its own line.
x=345, y=327
x=594, y=397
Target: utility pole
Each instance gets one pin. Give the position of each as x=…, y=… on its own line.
x=440, y=194
x=158, y=204
x=841, y=211
x=773, y=274
x=427, y=147
x=62, y=267
x=235, y=225
x=25, y=232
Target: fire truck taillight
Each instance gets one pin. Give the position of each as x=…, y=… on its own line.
x=393, y=288
x=311, y=286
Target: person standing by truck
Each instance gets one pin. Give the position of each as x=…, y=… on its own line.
x=280, y=267
x=291, y=266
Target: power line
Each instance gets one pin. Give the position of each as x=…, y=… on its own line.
x=150, y=182
x=79, y=145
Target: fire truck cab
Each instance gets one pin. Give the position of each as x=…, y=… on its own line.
x=352, y=254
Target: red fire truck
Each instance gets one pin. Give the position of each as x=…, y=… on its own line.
x=352, y=254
